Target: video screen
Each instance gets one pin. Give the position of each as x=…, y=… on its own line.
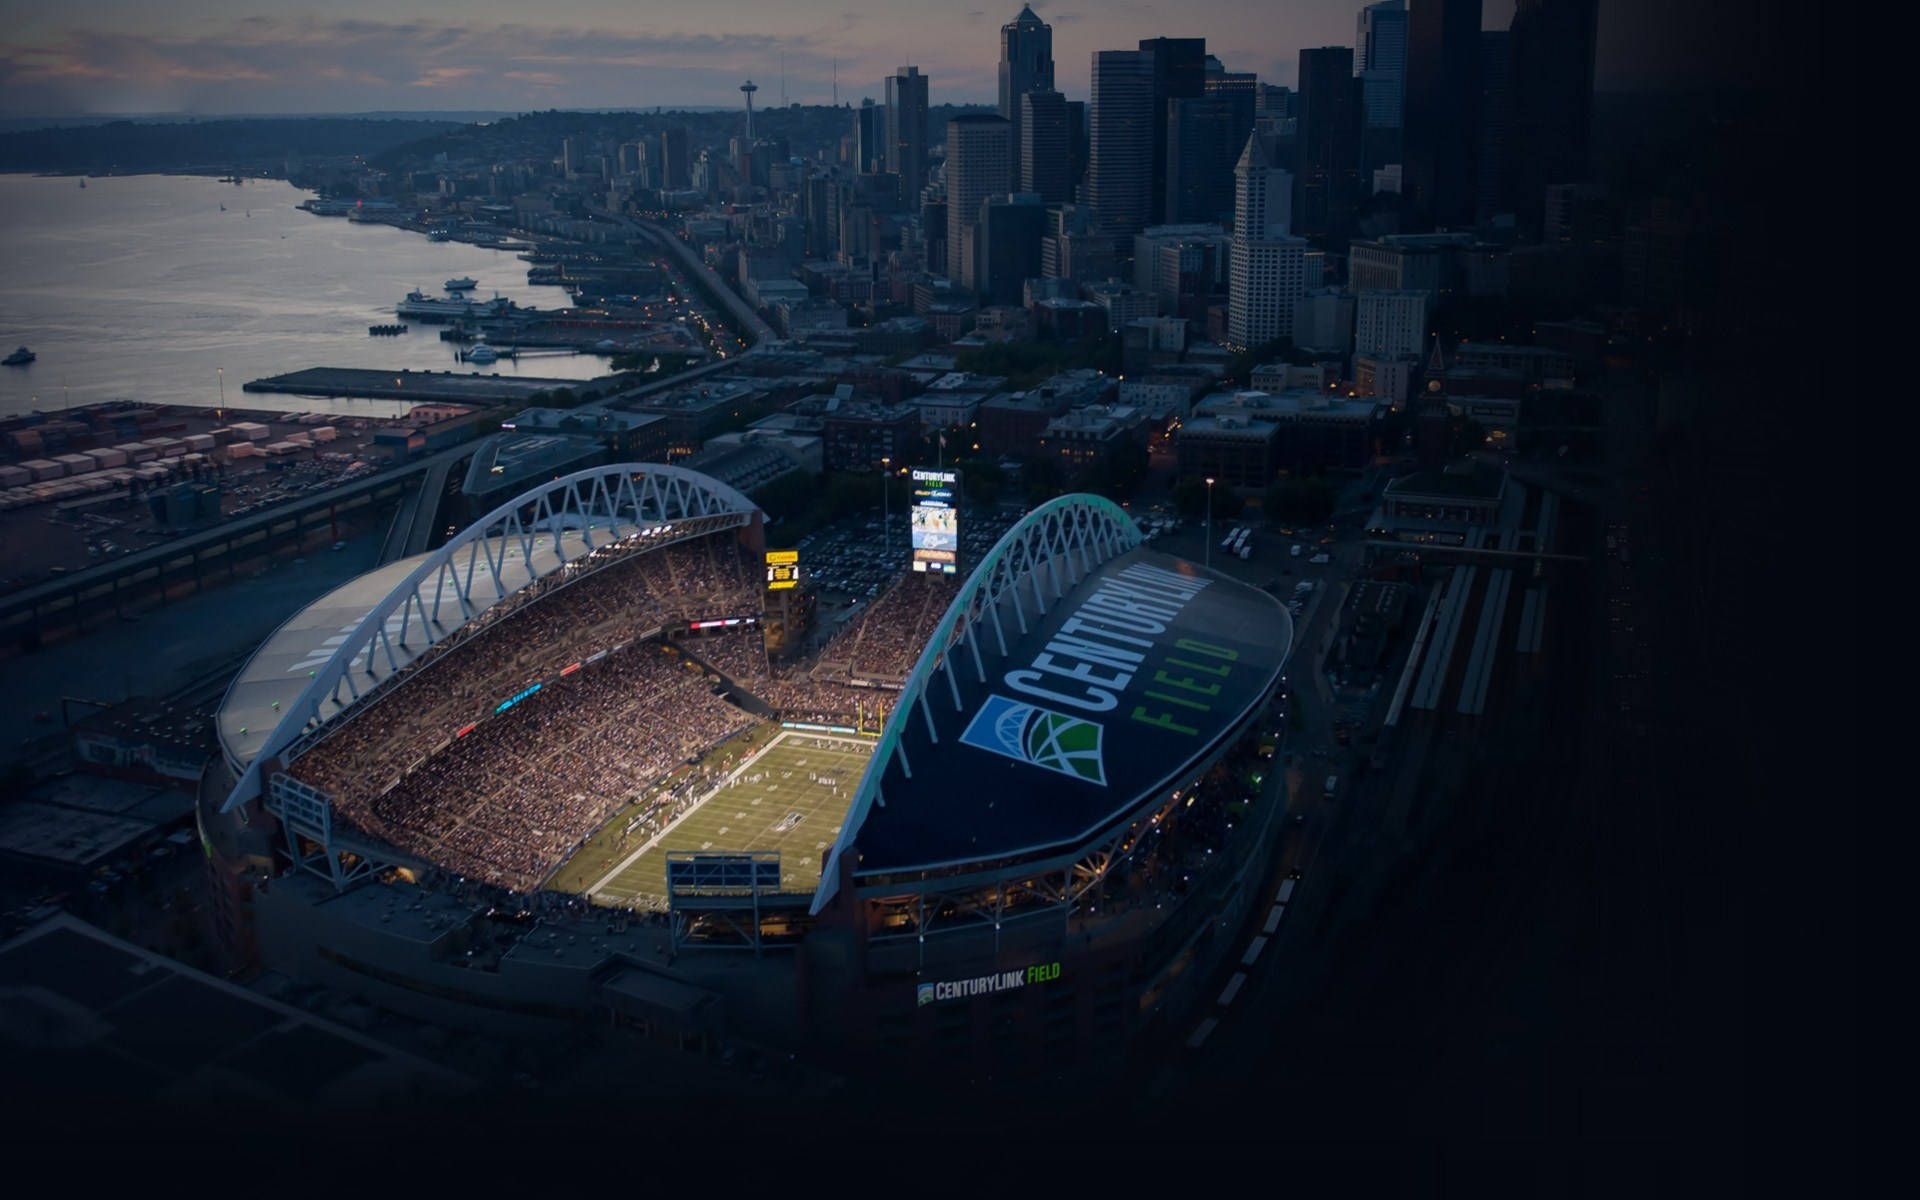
x=936, y=521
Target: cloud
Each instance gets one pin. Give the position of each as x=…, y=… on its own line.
x=352, y=65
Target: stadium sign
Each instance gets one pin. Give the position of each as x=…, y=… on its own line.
x=982, y=985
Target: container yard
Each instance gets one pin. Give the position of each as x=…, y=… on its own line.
x=92, y=484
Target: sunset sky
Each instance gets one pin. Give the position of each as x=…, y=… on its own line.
x=291, y=56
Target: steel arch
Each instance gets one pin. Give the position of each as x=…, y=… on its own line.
x=1034, y=564
x=598, y=507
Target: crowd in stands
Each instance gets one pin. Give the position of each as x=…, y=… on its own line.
x=530, y=636
x=885, y=641
x=741, y=655
x=509, y=801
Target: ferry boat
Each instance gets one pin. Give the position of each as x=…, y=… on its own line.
x=419, y=306
x=464, y=283
x=19, y=358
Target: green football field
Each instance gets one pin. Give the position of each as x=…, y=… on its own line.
x=790, y=797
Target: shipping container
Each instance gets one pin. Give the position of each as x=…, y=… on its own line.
x=76, y=464
x=44, y=469
x=200, y=441
x=253, y=431
x=13, y=477
x=103, y=459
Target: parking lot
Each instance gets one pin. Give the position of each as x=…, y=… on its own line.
x=856, y=558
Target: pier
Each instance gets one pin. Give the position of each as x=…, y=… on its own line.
x=427, y=387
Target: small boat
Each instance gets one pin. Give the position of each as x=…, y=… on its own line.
x=19, y=358
x=223, y=208
x=464, y=283
x=483, y=354
x=83, y=183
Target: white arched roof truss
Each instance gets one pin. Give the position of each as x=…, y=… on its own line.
x=493, y=558
x=1034, y=565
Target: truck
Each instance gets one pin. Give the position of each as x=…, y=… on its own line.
x=1333, y=786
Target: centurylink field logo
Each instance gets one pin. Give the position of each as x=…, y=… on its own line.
x=1029, y=733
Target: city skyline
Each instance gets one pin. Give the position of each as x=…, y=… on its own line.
x=258, y=56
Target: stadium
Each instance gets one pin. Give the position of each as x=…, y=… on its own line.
x=550, y=773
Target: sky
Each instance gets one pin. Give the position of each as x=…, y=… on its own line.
x=295, y=56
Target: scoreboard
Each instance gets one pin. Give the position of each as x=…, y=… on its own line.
x=936, y=521
x=783, y=570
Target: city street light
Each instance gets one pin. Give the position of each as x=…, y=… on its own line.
x=1209, y=562
x=886, y=478
x=221, y=372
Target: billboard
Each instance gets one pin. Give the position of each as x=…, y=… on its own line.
x=783, y=570
x=936, y=521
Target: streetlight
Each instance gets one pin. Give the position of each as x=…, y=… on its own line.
x=221, y=372
x=886, y=479
x=1209, y=562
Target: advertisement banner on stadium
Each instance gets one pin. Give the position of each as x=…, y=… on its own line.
x=936, y=521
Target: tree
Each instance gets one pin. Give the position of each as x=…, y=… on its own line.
x=1309, y=500
x=1120, y=474
x=787, y=496
x=1043, y=478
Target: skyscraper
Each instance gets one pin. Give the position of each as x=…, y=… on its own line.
x=1327, y=146
x=1179, y=73
x=1008, y=239
x=1551, y=89
x=1204, y=138
x=1267, y=268
x=978, y=166
x=907, y=132
x=1078, y=149
x=673, y=147
x=1380, y=59
x=1492, y=192
x=1441, y=112
x=1045, y=166
x=1120, y=141
x=869, y=135
x=1026, y=65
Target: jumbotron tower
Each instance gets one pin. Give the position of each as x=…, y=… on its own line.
x=749, y=87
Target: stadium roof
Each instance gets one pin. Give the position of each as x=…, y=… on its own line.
x=1037, y=731
x=359, y=634
x=281, y=668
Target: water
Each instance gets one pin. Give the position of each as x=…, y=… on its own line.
x=139, y=287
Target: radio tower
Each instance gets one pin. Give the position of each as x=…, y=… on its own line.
x=749, y=88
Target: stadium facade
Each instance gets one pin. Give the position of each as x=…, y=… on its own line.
x=1061, y=825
